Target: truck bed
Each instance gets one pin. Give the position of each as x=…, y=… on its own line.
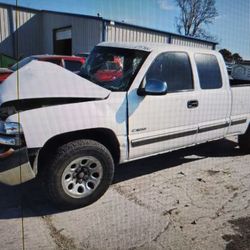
x=239, y=83
x=240, y=105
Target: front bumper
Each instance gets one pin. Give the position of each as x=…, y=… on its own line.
x=15, y=167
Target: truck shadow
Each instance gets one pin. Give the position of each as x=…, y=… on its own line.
x=222, y=148
x=28, y=200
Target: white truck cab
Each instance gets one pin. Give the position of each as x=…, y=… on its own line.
x=72, y=130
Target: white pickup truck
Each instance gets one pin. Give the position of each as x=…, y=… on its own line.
x=73, y=130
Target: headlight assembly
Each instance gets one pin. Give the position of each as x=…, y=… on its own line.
x=12, y=128
x=11, y=134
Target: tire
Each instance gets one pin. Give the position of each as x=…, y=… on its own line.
x=244, y=142
x=79, y=174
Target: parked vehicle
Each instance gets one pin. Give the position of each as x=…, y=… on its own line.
x=4, y=73
x=84, y=55
x=109, y=71
x=229, y=67
x=73, y=132
x=72, y=63
x=241, y=71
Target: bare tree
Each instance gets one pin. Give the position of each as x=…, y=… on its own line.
x=194, y=15
x=230, y=57
x=227, y=55
x=237, y=58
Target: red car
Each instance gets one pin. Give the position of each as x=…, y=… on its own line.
x=72, y=63
x=4, y=73
x=108, y=72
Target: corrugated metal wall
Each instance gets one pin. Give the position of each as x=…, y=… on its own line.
x=28, y=32
x=4, y=24
x=86, y=32
x=120, y=33
x=20, y=17
x=190, y=42
x=18, y=36
x=125, y=33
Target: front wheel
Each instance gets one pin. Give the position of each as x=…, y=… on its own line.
x=79, y=174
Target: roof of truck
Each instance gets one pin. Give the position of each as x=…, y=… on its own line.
x=151, y=46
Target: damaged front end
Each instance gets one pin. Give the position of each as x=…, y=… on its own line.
x=15, y=167
x=41, y=85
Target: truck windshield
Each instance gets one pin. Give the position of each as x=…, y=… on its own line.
x=113, y=68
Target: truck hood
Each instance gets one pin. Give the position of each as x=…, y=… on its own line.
x=41, y=80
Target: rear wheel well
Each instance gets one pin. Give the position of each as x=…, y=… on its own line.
x=244, y=141
x=104, y=136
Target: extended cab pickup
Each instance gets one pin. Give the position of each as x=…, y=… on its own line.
x=72, y=130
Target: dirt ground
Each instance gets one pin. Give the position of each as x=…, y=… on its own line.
x=195, y=198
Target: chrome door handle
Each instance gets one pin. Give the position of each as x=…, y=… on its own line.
x=192, y=104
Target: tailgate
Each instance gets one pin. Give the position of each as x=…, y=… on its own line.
x=240, y=112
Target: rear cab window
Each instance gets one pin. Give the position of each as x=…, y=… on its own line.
x=208, y=71
x=174, y=68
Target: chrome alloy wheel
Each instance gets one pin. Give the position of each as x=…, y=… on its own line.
x=82, y=176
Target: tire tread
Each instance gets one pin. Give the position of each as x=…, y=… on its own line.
x=61, y=155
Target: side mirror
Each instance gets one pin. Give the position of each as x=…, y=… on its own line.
x=153, y=87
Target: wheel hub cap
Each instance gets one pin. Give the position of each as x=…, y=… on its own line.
x=82, y=176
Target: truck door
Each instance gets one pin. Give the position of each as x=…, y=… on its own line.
x=163, y=122
x=214, y=98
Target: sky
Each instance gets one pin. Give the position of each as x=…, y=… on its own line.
x=231, y=27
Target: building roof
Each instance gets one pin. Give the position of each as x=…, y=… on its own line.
x=109, y=20
x=147, y=46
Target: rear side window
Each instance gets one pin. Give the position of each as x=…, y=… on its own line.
x=208, y=71
x=173, y=68
x=73, y=65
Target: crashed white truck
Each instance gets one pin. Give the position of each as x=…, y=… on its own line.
x=71, y=130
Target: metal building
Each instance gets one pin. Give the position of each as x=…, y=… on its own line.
x=25, y=31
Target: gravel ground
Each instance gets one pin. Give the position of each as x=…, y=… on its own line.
x=195, y=198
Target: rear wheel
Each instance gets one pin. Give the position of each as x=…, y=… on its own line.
x=79, y=174
x=244, y=141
